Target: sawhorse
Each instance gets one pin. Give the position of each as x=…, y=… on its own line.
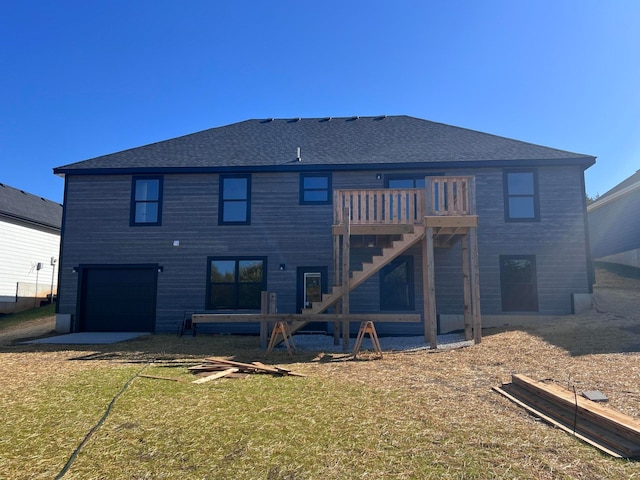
x=367, y=327
x=283, y=329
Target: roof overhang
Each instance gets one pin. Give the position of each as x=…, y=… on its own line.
x=584, y=162
x=613, y=197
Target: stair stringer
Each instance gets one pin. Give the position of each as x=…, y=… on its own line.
x=398, y=247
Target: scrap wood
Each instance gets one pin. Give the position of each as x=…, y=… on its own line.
x=284, y=371
x=216, y=375
x=158, y=377
x=610, y=431
x=255, y=367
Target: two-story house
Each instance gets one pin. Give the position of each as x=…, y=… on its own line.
x=207, y=221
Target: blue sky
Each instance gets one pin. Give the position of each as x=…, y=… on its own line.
x=80, y=79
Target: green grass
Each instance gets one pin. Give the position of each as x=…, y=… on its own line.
x=262, y=427
x=10, y=320
x=432, y=417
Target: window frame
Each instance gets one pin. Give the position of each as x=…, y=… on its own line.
x=222, y=201
x=134, y=202
x=303, y=190
x=535, y=196
x=408, y=259
x=236, y=283
x=533, y=282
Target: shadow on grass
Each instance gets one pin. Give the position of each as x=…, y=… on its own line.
x=168, y=348
x=582, y=335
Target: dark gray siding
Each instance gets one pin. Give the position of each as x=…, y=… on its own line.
x=97, y=231
x=615, y=226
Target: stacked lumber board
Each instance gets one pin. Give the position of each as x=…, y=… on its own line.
x=610, y=431
x=213, y=368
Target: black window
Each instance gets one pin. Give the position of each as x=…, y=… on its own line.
x=396, y=285
x=521, y=196
x=146, y=201
x=235, y=200
x=315, y=188
x=405, y=182
x=519, y=283
x=235, y=283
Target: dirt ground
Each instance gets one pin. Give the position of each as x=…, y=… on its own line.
x=31, y=329
x=451, y=390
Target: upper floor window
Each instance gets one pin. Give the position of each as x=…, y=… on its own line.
x=235, y=200
x=396, y=285
x=146, y=201
x=405, y=182
x=236, y=282
x=521, y=196
x=315, y=188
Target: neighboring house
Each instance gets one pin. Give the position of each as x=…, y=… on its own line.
x=614, y=224
x=29, y=247
x=207, y=221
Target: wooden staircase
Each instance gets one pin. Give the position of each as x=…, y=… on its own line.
x=388, y=254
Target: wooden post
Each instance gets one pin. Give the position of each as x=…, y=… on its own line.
x=475, y=284
x=346, y=274
x=336, y=283
x=466, y=279
x=429, y=291
x=264, y=329
x=273, y=302
x=429, y=203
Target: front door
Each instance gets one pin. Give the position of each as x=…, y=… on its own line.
x=311, y=284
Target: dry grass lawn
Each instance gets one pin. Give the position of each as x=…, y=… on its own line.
x=411, y=415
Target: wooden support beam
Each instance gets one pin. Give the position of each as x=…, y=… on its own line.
x=336, y=260
x=375, y=229
x=429, y=294
x=264, y=327
x=304, y=317
x=346, y=273
x=452, y=221
x=475, y=285
x=466, y=279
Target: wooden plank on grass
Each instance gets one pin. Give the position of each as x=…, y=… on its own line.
x=216, y=375
x=621, y=423
x=549, y=419
x=284, y=371
x=157, y=377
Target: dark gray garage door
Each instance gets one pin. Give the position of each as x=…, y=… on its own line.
x=118, y=298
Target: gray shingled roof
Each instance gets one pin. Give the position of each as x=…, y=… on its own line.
x=24, y=206
x=353, y=141
x=632, y=180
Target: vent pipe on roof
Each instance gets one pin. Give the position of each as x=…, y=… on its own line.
x=298, y=157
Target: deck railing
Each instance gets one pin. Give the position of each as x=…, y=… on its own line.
x=450, y=195
x=381, y=206
x=441, y=196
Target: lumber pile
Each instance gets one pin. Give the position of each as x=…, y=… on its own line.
x=214, y=368
x=610, y=431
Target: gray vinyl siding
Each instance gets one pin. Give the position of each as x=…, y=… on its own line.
x=615, y=227
x=97, y=231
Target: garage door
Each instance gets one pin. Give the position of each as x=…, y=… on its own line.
x=118, y=298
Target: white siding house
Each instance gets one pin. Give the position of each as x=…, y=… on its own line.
x=29, y=248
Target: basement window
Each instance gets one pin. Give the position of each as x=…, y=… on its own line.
x=235, y=283
x=519, y=283
x=396, y=285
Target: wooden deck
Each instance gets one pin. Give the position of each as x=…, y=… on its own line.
x=438, y=216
